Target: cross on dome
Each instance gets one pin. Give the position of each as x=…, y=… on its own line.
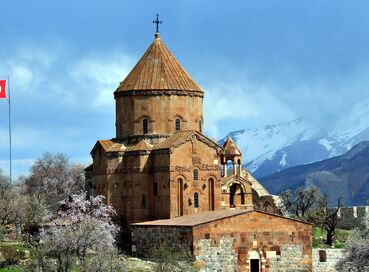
x=157, y=22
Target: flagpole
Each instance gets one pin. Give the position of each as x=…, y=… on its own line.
x=10, y=133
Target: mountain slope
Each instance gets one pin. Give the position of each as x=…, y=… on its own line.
x=346, y=175
x=276, y=147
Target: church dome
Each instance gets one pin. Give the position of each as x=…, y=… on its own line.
x=157, y=99
x=158, y=70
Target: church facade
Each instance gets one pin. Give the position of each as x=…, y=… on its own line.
x=160, y=165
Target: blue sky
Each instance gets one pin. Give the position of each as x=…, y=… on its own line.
x=259, y=62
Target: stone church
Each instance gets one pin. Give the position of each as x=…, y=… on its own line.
x=165, y=177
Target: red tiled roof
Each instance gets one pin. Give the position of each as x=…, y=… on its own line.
x=158, y=70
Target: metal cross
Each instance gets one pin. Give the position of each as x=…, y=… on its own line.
x=157, y=22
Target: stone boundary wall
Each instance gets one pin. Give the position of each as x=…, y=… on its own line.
x=351, y=217
x=325, y=259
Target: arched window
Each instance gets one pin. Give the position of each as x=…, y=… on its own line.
x=200, y=126
x=180, y=197
x=178, y=125
x=196, y=174
x=145, y=126
x=196, y=200
x=211, y=195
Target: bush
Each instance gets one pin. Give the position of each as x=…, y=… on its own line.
x=169, y=259
x=10, y=256
x=3, y=232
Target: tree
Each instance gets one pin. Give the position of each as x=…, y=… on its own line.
x=356, y=257
x=6, y=200
x=79, y=228
x=310, y=205
x=29, y=212
x=328, y=218
x=301, y=202
x=54, y=177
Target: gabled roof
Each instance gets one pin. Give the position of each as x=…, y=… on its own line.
x=158, y=70
x=109, y=146
x=182, y=137
x=197, y=219
x=230, y=147
x=140, y=146
x=193, y=219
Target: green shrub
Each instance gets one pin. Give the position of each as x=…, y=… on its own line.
x=10, y=255
x=3, y=232
x=11, y=269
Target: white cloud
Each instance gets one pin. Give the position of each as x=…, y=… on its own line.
x=104, y=70
x=21, y=75
x=55, y=96
x=242, y=104
x=100, y=76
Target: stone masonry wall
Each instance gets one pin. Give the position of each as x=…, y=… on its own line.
x=234, y=243
x=258, y=232
x=221, y=257
x=145, y=239
x=324, y=260
x=291, y=259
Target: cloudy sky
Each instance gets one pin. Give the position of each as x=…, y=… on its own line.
x=259, y=62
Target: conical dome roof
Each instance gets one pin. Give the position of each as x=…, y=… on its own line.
x=158, y=70
x=230, y=147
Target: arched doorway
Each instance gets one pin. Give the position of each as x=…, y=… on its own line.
x=254, y=261
x=180, y=197
x=236, y=195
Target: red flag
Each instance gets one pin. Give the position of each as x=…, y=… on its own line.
x=2, y=89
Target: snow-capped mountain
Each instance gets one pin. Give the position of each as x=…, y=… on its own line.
x=346, y=175
x=276, y=147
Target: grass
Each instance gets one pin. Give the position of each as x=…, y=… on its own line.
x=319, y=236
x=13, y=268
x=17, y=246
